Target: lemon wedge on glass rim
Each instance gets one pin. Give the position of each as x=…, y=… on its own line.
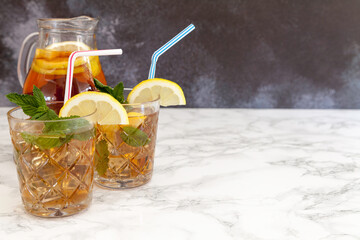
x=170, y=93
x=109, y=110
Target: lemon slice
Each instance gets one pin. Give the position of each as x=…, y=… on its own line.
x=95, y=65
x=109, y=110
x=63, y=62
x=136, y=119
x=53, y=60
x=169, y=92
x=48, y=54
x=68, y=46
x=61, y=71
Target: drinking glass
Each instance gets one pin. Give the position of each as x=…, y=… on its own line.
x=54, y=161
x=124, y=154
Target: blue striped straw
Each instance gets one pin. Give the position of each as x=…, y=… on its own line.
x=166, y=47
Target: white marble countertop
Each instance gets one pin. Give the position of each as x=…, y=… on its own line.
x=220, y=174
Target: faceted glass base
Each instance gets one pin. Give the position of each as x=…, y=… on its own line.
x=122, y=183
x=55, y=212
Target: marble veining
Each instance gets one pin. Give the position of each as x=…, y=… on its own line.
x=220, y=174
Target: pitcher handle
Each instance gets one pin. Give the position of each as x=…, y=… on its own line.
x=23, y=65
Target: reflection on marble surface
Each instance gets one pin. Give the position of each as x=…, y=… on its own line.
x=220, y=174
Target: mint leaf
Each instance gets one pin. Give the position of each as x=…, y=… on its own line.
x=45, y=114
x=44, y=141
x=66, y=126
x=103, y=88
x=134, y=136
x=39, y=96
x=86, y=135
x=73, y=127
x=22, y=99
x=117, y=92
x=101, y=157
x=26, y=102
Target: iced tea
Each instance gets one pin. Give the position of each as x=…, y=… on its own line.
x=48, y=72
x=124, y=154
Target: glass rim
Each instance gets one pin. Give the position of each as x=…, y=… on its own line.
x=81, y=23
x=142, y=103
x=79, y=18
x=11, y=117
x=157, y=100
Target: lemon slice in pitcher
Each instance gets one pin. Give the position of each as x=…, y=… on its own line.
x=109, y=110
x=53, y=60
x=169, y=92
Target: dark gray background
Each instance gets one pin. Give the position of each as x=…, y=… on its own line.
x=250, y=53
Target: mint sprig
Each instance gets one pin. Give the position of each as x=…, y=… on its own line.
x=54, y=134
x=117, y=92
x=33, y=105
x=130, y=135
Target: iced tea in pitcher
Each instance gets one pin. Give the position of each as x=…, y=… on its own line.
x=56, y=40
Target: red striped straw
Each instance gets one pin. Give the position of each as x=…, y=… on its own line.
x=71, y=62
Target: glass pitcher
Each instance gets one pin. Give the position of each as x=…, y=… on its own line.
x=56, y=39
